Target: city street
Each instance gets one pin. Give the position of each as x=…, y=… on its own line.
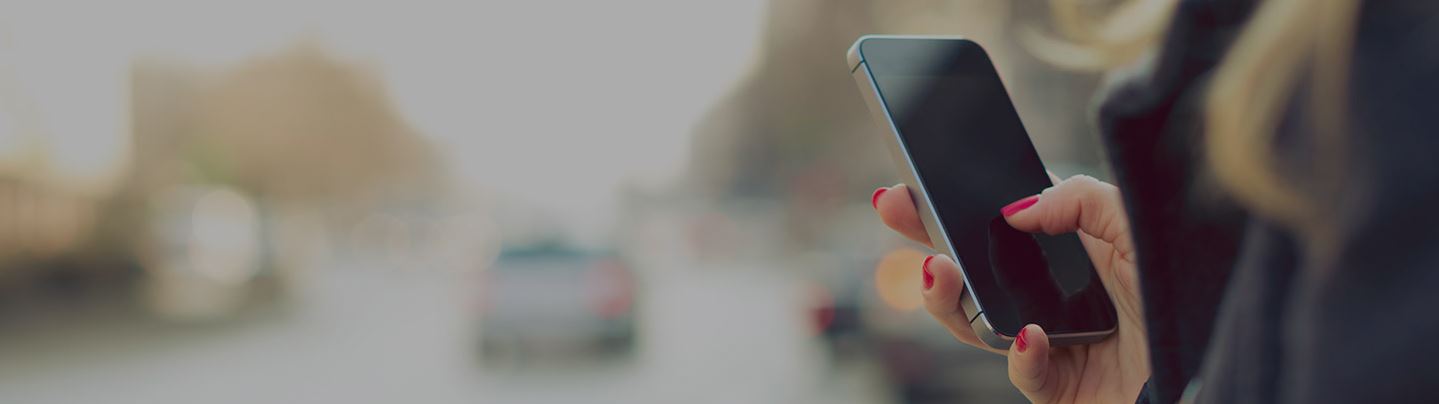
x=376, y=335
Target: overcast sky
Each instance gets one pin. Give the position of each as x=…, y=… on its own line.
x=546, y=103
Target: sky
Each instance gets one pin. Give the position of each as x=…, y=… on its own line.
x=549, y=104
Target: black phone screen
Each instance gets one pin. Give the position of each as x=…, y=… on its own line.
x=973, y=157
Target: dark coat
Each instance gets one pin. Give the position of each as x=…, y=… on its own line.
x=1231, y=297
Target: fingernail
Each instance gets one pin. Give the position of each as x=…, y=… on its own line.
x=874, y=200
x=1020, y=342
x=928, y=277
x=1022, y=204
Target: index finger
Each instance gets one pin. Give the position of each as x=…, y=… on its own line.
x=896, y=209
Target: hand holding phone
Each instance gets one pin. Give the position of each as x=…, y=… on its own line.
x=964, y=154
x=1111, y=367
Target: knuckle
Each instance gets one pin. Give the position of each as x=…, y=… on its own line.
x=1054, y=223
x=1082, y=180
x=1091, y=200
x=1016, y=379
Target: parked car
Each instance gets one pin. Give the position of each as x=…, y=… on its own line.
x=921, y=359
x=551, y=298
x=837, y=294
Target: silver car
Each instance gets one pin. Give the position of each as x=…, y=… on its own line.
x=552, y=299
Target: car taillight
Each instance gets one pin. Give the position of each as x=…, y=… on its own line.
x=821, y=308
x=614, y=289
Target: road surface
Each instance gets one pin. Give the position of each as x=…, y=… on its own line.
x=357, y=334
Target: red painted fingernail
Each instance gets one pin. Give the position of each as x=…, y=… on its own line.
x=1022, y=204
x=1019, y=341
x=874, y=200
x=928, y=277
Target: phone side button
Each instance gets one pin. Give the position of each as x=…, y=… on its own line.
x=986, y=333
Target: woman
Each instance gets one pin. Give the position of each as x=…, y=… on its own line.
x=1274, y=236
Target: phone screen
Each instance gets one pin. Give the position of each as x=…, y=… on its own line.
x=973, y=157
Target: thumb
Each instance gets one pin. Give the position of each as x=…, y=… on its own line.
x=1029, y=363
x=1079, y=203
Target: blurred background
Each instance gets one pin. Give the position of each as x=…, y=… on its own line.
x=508, y=201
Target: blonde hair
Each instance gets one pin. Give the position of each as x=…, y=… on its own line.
x=1251, y=89
x=1254, y=85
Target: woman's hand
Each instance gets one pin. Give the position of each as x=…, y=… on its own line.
x=1110, y=371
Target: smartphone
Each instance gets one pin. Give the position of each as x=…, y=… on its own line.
x=963, y=151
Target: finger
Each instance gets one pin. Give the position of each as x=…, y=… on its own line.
x=942, y=289
x=896, y=209
x=1094, y=209
x=1080, y=203
x=1029, y=363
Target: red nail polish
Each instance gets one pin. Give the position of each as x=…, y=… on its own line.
x=874, y=199
x=928, y=277
x=1022, y=204
x=1020, y=342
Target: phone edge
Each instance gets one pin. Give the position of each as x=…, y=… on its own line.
x=879, y=115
